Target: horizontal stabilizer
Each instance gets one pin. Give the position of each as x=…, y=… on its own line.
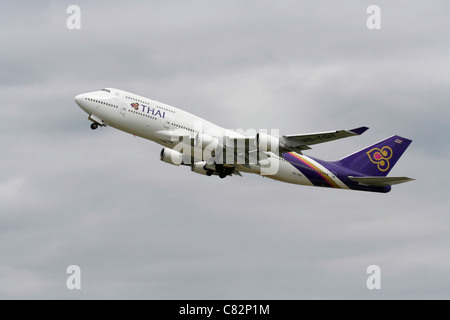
x=380, y=181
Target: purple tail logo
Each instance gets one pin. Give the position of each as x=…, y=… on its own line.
x=381, y=157
x=135, y=105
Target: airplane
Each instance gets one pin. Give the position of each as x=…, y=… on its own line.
x=212, y=150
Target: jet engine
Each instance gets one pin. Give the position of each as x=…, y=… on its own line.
x=171, y=156
x=200, y=167
x=209, y=169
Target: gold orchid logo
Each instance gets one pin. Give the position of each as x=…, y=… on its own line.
x=381, y=157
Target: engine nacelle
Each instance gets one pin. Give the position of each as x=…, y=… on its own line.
x=171, y=156
x=199, y=167
x=210, y=166
x=266, y=142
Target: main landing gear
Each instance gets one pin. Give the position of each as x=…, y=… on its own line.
x=94, y=125
x=219, y=170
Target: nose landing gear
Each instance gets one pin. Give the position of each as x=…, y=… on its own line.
x=94, y=125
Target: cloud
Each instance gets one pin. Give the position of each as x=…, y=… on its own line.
x=140, y=228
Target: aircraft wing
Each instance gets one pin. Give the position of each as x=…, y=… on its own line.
x=291, y=142
x=380, y=181
x=173, y=135
x=303, y=141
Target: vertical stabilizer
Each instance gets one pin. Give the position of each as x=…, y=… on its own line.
x=378, y=159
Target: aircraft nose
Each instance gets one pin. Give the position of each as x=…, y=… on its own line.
x=78, y=99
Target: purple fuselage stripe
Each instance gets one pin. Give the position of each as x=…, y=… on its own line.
x=315, y=178
x=339, y=171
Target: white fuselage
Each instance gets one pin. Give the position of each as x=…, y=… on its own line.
x=163, y=124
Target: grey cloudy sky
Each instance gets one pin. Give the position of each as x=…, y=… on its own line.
x=140, y=228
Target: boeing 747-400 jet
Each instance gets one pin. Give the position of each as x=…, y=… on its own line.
x=212, y=150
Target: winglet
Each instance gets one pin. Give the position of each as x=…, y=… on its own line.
x=359, y=130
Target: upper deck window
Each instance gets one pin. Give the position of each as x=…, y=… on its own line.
x=107, y=90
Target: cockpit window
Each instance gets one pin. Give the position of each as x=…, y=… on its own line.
x=107, y=90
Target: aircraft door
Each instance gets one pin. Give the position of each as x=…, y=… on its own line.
x=123, y=109
x=167, y=122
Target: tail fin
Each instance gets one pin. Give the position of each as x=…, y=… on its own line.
x=378, y=159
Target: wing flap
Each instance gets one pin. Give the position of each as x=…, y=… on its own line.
x=380, y=181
